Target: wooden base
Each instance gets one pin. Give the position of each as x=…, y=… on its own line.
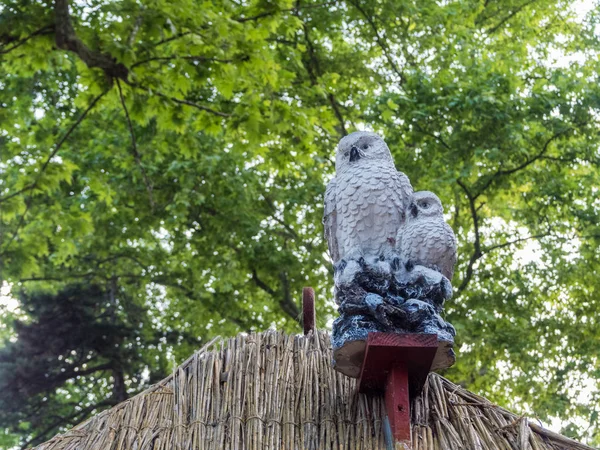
x=350, y=357
x=397, y=364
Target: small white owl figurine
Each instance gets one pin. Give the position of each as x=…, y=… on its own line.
x=425, y=238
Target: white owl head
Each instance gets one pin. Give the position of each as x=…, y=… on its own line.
x=424, y=204
x=361, y=147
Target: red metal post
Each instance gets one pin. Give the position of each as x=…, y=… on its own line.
x=397, y=364
x=397, y=405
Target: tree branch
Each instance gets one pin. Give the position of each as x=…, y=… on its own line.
x=338, y=113
x=499, y=173
x=257, y=16
x=172, y=38
x=314, y=71
x=119, y=391
x=118, y=256
x=62, y=377
x=477, y=243
x=195, y=105
x=536, y=157
x=380, y=41
x=66, y=39
x=189, y=58
x=456, y=211
x=429, y=133
x=8, y=39
x=60, y=279
x=286, y=302
x=516, y=241
x=135, y=29
x=478, y=250
x=277, y=11
x=98, y=273
x=292, y=233
x=509, y=16
x=136, y=154
x=261, y=284
x=183, y=102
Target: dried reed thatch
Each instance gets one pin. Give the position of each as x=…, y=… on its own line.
x=275, y=391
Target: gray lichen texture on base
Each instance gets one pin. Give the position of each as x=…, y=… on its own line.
x=412, y=307
x=271, y=391
x=401, y=305
x=393, y=253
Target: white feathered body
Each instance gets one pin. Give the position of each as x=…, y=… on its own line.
x=367, y=203
x=428, y=241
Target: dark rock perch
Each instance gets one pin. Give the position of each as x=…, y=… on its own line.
x=374, y=298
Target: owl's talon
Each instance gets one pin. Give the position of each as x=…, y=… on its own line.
x=395, y=265
x=409, y=265
x=362, y=262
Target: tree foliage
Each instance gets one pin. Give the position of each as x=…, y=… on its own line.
x=179, y=151
x=76, y=344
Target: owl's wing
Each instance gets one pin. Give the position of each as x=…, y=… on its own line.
x=451, y=245
x=330, y=220
x=400, y=233
x=405, y=188
x=438, y=245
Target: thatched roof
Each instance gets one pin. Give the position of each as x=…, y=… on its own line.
x=275, y=391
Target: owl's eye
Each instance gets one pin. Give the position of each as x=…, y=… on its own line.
x=366, y=146
x=424, y=205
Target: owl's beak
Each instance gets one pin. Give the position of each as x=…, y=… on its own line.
x=414, y=211
x=354, y=154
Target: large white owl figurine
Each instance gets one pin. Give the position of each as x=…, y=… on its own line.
x=366, y=201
